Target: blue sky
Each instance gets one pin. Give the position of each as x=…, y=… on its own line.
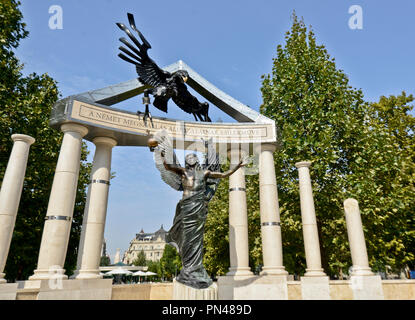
x=229, y=43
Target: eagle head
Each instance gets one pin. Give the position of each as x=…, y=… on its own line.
x=182, y=74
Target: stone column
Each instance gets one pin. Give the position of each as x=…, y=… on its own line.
x=364, y=283
x=356, y=239
x=270, y=212
x=57, y=227
x=238, y=221
x=11, y=190
x=308, y=217
x=95, y=212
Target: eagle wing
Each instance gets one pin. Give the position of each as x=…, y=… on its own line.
x=148, y=71
x=185, y=100
x=165, y=144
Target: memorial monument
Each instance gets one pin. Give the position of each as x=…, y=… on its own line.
x=89, y=116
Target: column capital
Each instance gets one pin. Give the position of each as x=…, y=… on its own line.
x=351, y=204
x=22, y=137
x=74, y=127
x=265, y=147
x=105, y=140
x=302, y=164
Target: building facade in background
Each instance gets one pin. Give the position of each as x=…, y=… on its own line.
x=152, y=244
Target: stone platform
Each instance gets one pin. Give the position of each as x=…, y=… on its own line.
x=182, y=292
x=73, y=289
x=252, y=288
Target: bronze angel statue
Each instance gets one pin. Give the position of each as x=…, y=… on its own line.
x=198, y=181
x=163, y=85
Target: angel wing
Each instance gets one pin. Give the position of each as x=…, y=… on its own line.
x=148, y=71
x=165, y=144
x=211, y=163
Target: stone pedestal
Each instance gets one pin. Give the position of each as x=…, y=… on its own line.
x=183, y=292
x=253, y=288
x=58, y=222
x=367, y=287
x=11, y=190
x=315, y=288
x=61, y=289
x=8, y=291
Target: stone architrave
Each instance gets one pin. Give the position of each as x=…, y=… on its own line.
x=10, y=193
x=95, y=211
x=238, y=220
x=364, y=283
x=58, y=222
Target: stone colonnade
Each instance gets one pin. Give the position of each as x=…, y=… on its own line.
x=62, y=198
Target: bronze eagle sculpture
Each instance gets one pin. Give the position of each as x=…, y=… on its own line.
x=163, y=85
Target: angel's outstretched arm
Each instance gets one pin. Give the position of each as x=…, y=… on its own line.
x=171, y=167
x=220, y=175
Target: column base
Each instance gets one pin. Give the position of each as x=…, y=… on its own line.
x=183, y=292
x=361, y=271
x=239, y=271
x=8, y=291
x=85, y=289
x=315, y=288
x=50, y=274
x=253, y=288
x=273, y=271
x=2, y=280
x=367, y=287
x=87, y=274
x=314, y=273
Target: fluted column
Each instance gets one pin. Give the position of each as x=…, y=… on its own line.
x=309, y=222
x=269, y=212
x=59, y=214
x=238, y=221
x=356, y=239
x=10, y=193
x=95, y=212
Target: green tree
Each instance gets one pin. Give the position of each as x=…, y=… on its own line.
x=141, y=259
x=170, y=262
x=26, y=103
x=356, y=150
x=105, y=261
x=387, y=182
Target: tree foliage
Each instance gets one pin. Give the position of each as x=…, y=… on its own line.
x=170, y=262
x=141, y=259
x=26, y=103
x=355, y=149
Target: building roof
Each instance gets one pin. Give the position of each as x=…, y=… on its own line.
x=142, y=236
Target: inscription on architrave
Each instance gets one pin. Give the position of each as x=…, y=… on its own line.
x=113, y=119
